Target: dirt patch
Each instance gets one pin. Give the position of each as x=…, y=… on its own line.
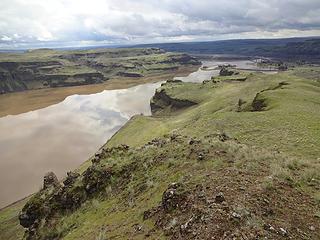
x=231, y=204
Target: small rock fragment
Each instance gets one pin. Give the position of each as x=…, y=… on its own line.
x=269, y=228
x=219, y=198
x=173, y=197
x=193, y=141
x=200, y=156
x=312, y=228
x=71, y=178
x=236, y=215
x=283, y=232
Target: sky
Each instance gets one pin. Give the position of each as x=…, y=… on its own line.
x=73, y=23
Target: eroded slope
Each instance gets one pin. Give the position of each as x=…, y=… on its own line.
x=221, y=168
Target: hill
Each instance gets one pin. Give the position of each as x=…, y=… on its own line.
x=225, y=158
x=291, y=49
x=46, y=68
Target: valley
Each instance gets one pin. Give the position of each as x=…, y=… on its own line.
x=223, y=151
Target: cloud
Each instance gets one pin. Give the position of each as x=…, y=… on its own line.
x=27, y=23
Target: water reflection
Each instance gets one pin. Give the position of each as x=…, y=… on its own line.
x=60, y=137
x=210, y=68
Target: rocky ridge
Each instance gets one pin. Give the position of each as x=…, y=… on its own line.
x=44, y=69
x=229, y=202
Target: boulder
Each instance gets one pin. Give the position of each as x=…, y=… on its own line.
x=194, y=141
x=174, y=197
x=223, y=137
x=33, y=211
x=226, y=72
x=219, y=198
x=95, y=177
x=50, y=180
x=71, y=178
x=97, y=157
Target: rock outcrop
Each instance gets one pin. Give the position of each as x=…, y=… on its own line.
x=161, y=100
x=50, y=180
x=20, y=76
x=55, y=198
x=174, y=197
x=258, y=103
x=225, y=71
x=63, y=69
x=130, y=74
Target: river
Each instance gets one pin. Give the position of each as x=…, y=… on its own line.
x=60, y=137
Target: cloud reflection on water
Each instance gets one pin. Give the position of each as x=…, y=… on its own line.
x=62, y=136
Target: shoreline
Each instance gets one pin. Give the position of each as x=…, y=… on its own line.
x=22, y=102
x=91, y=89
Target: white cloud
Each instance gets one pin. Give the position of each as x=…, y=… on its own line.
x=6, y=38
x=62, y=22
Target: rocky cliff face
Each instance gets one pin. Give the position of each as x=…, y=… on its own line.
x=38, y=69
x=161, y=101
x=59, y=198
x=19, y=76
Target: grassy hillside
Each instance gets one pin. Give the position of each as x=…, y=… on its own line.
x=45, y=68
x=241, y=162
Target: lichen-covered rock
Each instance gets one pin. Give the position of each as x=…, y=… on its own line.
x=70, y=198
x=55, y=198
x=50, y=180
x=71, y=178
x=38, y=206
x=226, y=72
x=34, y=210
x=107, y=152
x=97, y=157
x=219, y=198
x=174, y=197
x=95, y=177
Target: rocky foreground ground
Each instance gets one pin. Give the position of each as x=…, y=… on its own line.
x=217, y=195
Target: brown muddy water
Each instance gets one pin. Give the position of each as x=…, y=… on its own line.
x=60, y=137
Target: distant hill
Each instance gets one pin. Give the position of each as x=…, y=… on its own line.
x=307, y=49
x=47, y=68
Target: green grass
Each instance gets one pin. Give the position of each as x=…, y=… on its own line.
x=114, y=213
x=291, y=120
x=289, y=124
x=9, y=223
x=108, y=62
x=279, y=144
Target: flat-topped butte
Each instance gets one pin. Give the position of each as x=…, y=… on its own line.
x=46, y=68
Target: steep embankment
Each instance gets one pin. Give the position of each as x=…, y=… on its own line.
x=40, y=69
x=221, y=168
x=161, y=102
